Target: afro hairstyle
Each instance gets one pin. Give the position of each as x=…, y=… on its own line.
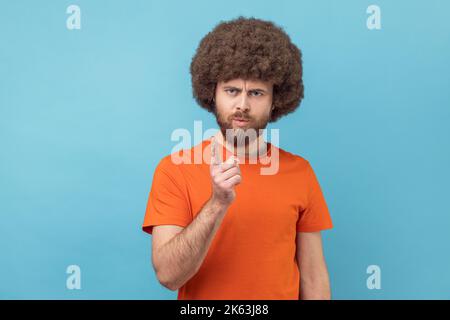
x=253, y=49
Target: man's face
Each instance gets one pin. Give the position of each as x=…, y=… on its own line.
x=242, y=105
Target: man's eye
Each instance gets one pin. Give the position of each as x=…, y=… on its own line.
x=256, y=93
x=232, y=91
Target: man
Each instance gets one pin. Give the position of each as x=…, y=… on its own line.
x=222, y=229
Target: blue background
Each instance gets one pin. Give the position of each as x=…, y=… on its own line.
x=85, y=116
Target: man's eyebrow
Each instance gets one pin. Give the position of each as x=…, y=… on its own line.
x=232, y=87
x=258, y=89
x=239, y=89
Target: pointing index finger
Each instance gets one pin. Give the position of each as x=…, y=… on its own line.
x=215, y=159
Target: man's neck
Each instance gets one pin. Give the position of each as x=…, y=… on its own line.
x=255, y=148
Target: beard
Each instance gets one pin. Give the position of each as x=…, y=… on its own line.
x=240, y=136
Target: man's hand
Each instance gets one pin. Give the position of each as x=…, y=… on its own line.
x=178, y=252
x=224, y=176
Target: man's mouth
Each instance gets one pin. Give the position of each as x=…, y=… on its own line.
x=240, y=121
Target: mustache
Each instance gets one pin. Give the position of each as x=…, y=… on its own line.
x=240, y=115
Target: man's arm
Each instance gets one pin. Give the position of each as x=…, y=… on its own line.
x=178, y=258
x=314, y=279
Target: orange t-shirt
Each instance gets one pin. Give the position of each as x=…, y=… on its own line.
x=253, y=254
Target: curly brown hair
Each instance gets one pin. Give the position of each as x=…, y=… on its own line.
x=248, y=48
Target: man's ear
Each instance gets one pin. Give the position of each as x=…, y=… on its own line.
x=271, y=112
x=214, y=94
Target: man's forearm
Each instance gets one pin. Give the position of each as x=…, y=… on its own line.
x=181, y=257
x=317, y=288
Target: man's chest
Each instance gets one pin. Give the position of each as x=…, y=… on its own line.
x=268, y=202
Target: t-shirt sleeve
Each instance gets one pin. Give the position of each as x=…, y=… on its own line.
x=315, y=216
x=167, y=202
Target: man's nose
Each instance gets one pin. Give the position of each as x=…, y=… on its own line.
x=243, y=104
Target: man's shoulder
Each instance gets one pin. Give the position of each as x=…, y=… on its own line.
x=182, y=157
x=291, y=157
